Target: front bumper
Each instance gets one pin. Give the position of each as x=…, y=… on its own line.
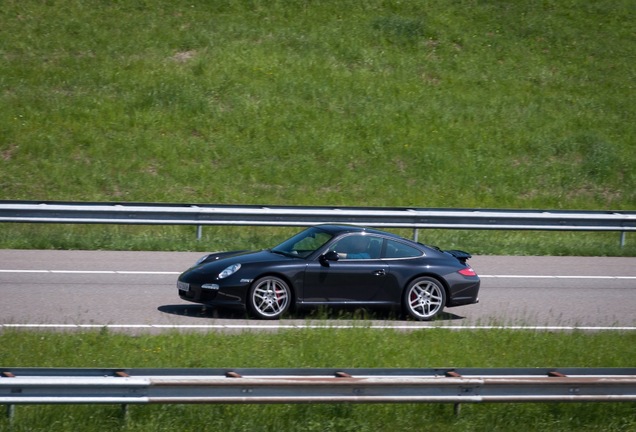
x=212, y=294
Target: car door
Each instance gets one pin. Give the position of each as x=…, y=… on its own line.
x=358, y=280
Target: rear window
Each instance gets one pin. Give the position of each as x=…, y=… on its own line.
x=395, y=249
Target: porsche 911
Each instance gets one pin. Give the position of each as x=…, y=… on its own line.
x=334, y=266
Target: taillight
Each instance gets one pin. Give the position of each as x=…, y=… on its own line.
x=467, y=272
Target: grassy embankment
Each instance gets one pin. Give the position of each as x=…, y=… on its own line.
x=465, y=104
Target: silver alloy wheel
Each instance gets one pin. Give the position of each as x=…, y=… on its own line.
x=424, y=298
x=269, y=297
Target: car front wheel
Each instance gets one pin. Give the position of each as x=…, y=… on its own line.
x=269, y=297
x=424, y=298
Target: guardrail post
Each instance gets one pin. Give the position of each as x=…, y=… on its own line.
x=622, y=239
x=124, y=412
x=10, y=413
x=199, y=232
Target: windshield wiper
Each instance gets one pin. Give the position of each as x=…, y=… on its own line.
x=280, y=252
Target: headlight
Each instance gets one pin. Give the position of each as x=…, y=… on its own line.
x=200, y=260
x=229, y=271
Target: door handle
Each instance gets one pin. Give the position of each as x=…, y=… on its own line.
x=379, y=273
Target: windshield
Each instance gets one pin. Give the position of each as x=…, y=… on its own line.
x=304, y=243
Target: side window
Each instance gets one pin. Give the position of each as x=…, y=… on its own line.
x=359, y=247
x=395, y=249
x=375, y=247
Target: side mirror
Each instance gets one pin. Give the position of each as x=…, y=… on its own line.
x=328, y=256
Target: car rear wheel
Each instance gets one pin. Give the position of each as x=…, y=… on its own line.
x=269, y=297
x=424, y=298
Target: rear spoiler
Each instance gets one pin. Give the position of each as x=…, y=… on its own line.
x=460, y=255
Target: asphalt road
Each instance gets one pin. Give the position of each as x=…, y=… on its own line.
x=135, y=291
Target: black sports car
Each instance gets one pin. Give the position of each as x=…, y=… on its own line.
x=334, y=265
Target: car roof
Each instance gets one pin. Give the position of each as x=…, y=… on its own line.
x=339, y=229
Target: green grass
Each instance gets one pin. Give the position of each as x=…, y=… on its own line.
x=329, y=348
x=435, y=104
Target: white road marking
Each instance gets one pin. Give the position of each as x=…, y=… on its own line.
x=124, y=272
x=555, y=277
x=129, y=272
x=305, y=326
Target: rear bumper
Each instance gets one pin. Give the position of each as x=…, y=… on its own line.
x=464, y=292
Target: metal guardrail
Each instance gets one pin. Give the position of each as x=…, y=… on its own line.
x=19, y=386
x=416, y=218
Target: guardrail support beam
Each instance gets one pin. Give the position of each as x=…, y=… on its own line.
x=299, y=216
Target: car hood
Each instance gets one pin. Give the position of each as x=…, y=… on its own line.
x=218, y=261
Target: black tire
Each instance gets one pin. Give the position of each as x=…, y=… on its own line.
x=269, y=298
x=424, y=298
